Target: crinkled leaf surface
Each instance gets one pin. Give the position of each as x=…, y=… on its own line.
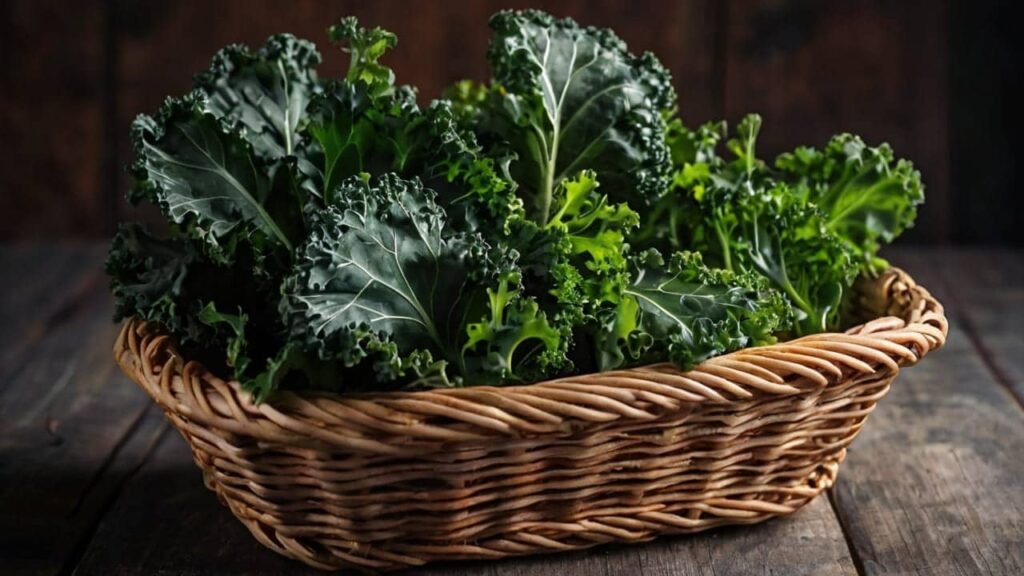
x=204, y=176
x=571, y=98
x=688, y=313
x=265, y=93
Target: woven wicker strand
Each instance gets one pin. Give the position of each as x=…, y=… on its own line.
x=384, y=481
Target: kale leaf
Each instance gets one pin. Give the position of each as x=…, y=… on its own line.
x=868, y=197
x=686, y=313
x=384, y=276
x=568, y=98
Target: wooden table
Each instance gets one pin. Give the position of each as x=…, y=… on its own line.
x=93, y=481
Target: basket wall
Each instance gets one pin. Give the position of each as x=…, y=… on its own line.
x=391, y=480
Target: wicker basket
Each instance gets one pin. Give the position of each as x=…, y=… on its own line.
x=392, y=480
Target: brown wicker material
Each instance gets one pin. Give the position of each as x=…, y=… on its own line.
x=390, y=480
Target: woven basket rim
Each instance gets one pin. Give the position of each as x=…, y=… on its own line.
x=908, y=323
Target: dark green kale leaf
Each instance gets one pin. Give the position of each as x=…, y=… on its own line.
x=687, y=313
x=172, y=282
x=366, y=124
x=264, y=93
x=151, y=278
x=569, y=98
x=383, y=276
x=359, y=133
x=208, y=182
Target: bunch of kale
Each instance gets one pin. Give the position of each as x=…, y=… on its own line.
x=334, y=234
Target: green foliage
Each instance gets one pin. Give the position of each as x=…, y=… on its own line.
x=332, y=233
x=868, y=196
x=809, y=226
x=568, y=98
x=687, y=313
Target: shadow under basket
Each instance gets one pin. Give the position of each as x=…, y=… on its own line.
x=391, y=480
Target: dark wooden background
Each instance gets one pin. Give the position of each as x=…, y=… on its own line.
x=938, y=79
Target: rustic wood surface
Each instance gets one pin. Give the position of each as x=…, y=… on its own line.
x=93, y=481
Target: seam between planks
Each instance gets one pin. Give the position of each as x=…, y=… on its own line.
x=112, y=457
x=833, y=501
x=84, y=540
x=970, y=330
x=109, y=161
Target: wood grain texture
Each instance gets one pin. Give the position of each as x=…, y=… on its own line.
x=71, y=427
x=808, y=543
x=989, y=301
x=873, y=68
x=51, y=113
x=42, y=284
x=935, y=483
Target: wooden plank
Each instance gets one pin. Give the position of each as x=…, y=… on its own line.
x=46, y=280
x=987, y=290
x=72, y=428
x=935, y=483
x=874, y=68
x=51, y=109
x=809, y=543
x=167, y=522
x=444, y=42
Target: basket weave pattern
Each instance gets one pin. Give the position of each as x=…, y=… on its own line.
x=391, y=480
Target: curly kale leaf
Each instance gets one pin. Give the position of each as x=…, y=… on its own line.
x=265, y=93
x=514, y=342
x=366, y=47
x=383, y=276
x=475, y=185
x=359, y=133
x=687, y=313
x=741, y=218
x=694, y=157
x=576, y=263
x=207, y=181
x=867, y=196
x=594, y=230
x=569, y=98
x=763, y=232
x=171, y=282
x=151, y=278
x=366, y=124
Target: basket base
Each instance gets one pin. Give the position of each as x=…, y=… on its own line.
x=629, y=526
